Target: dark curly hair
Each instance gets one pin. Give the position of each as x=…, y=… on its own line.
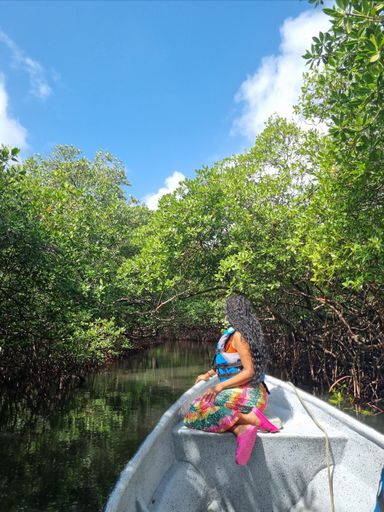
x=241, y=316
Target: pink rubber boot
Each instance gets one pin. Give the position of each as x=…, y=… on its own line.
x=245, y=443
x=265, y=424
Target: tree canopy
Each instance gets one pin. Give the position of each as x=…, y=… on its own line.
x=296, y=223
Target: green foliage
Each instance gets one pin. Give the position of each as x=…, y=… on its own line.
x=345, y=88
x=296, y=223
x=227, y=229
x=65, y=228
x=342, y=231
x=339, y=396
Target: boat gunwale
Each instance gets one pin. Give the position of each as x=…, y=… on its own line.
x=361, y=428
x=171, y=415
x=165, y=420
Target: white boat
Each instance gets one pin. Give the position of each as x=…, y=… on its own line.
x=177, y=469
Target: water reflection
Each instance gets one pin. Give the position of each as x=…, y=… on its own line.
x=68, y=458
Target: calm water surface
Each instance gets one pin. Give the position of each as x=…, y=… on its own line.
x=69, y=458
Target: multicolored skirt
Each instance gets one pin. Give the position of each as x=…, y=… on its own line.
x=221, y=414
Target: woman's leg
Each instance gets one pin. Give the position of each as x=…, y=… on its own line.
x=258, y=399
x=248, y=419
x=230, y=411
x=256, y=418
x=221, y=414
x=210, y=416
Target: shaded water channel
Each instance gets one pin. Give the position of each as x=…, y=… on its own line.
x=69, y=458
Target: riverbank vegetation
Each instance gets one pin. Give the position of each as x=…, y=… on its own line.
x=296, y=223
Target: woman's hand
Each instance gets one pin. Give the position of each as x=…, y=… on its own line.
x=203, y=376
x=211, y=394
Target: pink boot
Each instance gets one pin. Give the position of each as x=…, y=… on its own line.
x=245, y=443
x=265, y=424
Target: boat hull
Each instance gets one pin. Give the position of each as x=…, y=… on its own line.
x=179, y=469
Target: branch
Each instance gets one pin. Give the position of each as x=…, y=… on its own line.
x=339, y=380
x=187, y=295
x=359, y=15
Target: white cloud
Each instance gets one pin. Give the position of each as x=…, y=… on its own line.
x=171, y=183
x=275, y=87
x=11, y=131
x=35, y=71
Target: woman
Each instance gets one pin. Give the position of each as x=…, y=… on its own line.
x=237, y=402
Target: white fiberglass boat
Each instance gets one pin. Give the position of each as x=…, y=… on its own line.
x=322, y=460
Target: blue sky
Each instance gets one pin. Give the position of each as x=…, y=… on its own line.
x=166, y=86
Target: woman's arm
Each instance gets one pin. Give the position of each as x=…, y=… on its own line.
x=248, y=371
x=205, y=376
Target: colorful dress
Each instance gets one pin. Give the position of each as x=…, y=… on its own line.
x=222, y=413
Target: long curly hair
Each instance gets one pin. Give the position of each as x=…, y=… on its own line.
x=242, y=317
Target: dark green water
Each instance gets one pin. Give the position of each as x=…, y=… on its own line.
x=69, y=458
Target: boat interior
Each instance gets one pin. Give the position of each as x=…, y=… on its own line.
x=180, y=469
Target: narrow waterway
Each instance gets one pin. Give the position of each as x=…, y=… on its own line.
x=68, y=458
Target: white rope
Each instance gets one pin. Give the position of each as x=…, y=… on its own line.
x=327, y=450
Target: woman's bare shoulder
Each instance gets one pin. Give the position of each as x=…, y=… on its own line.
x=238, y=338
